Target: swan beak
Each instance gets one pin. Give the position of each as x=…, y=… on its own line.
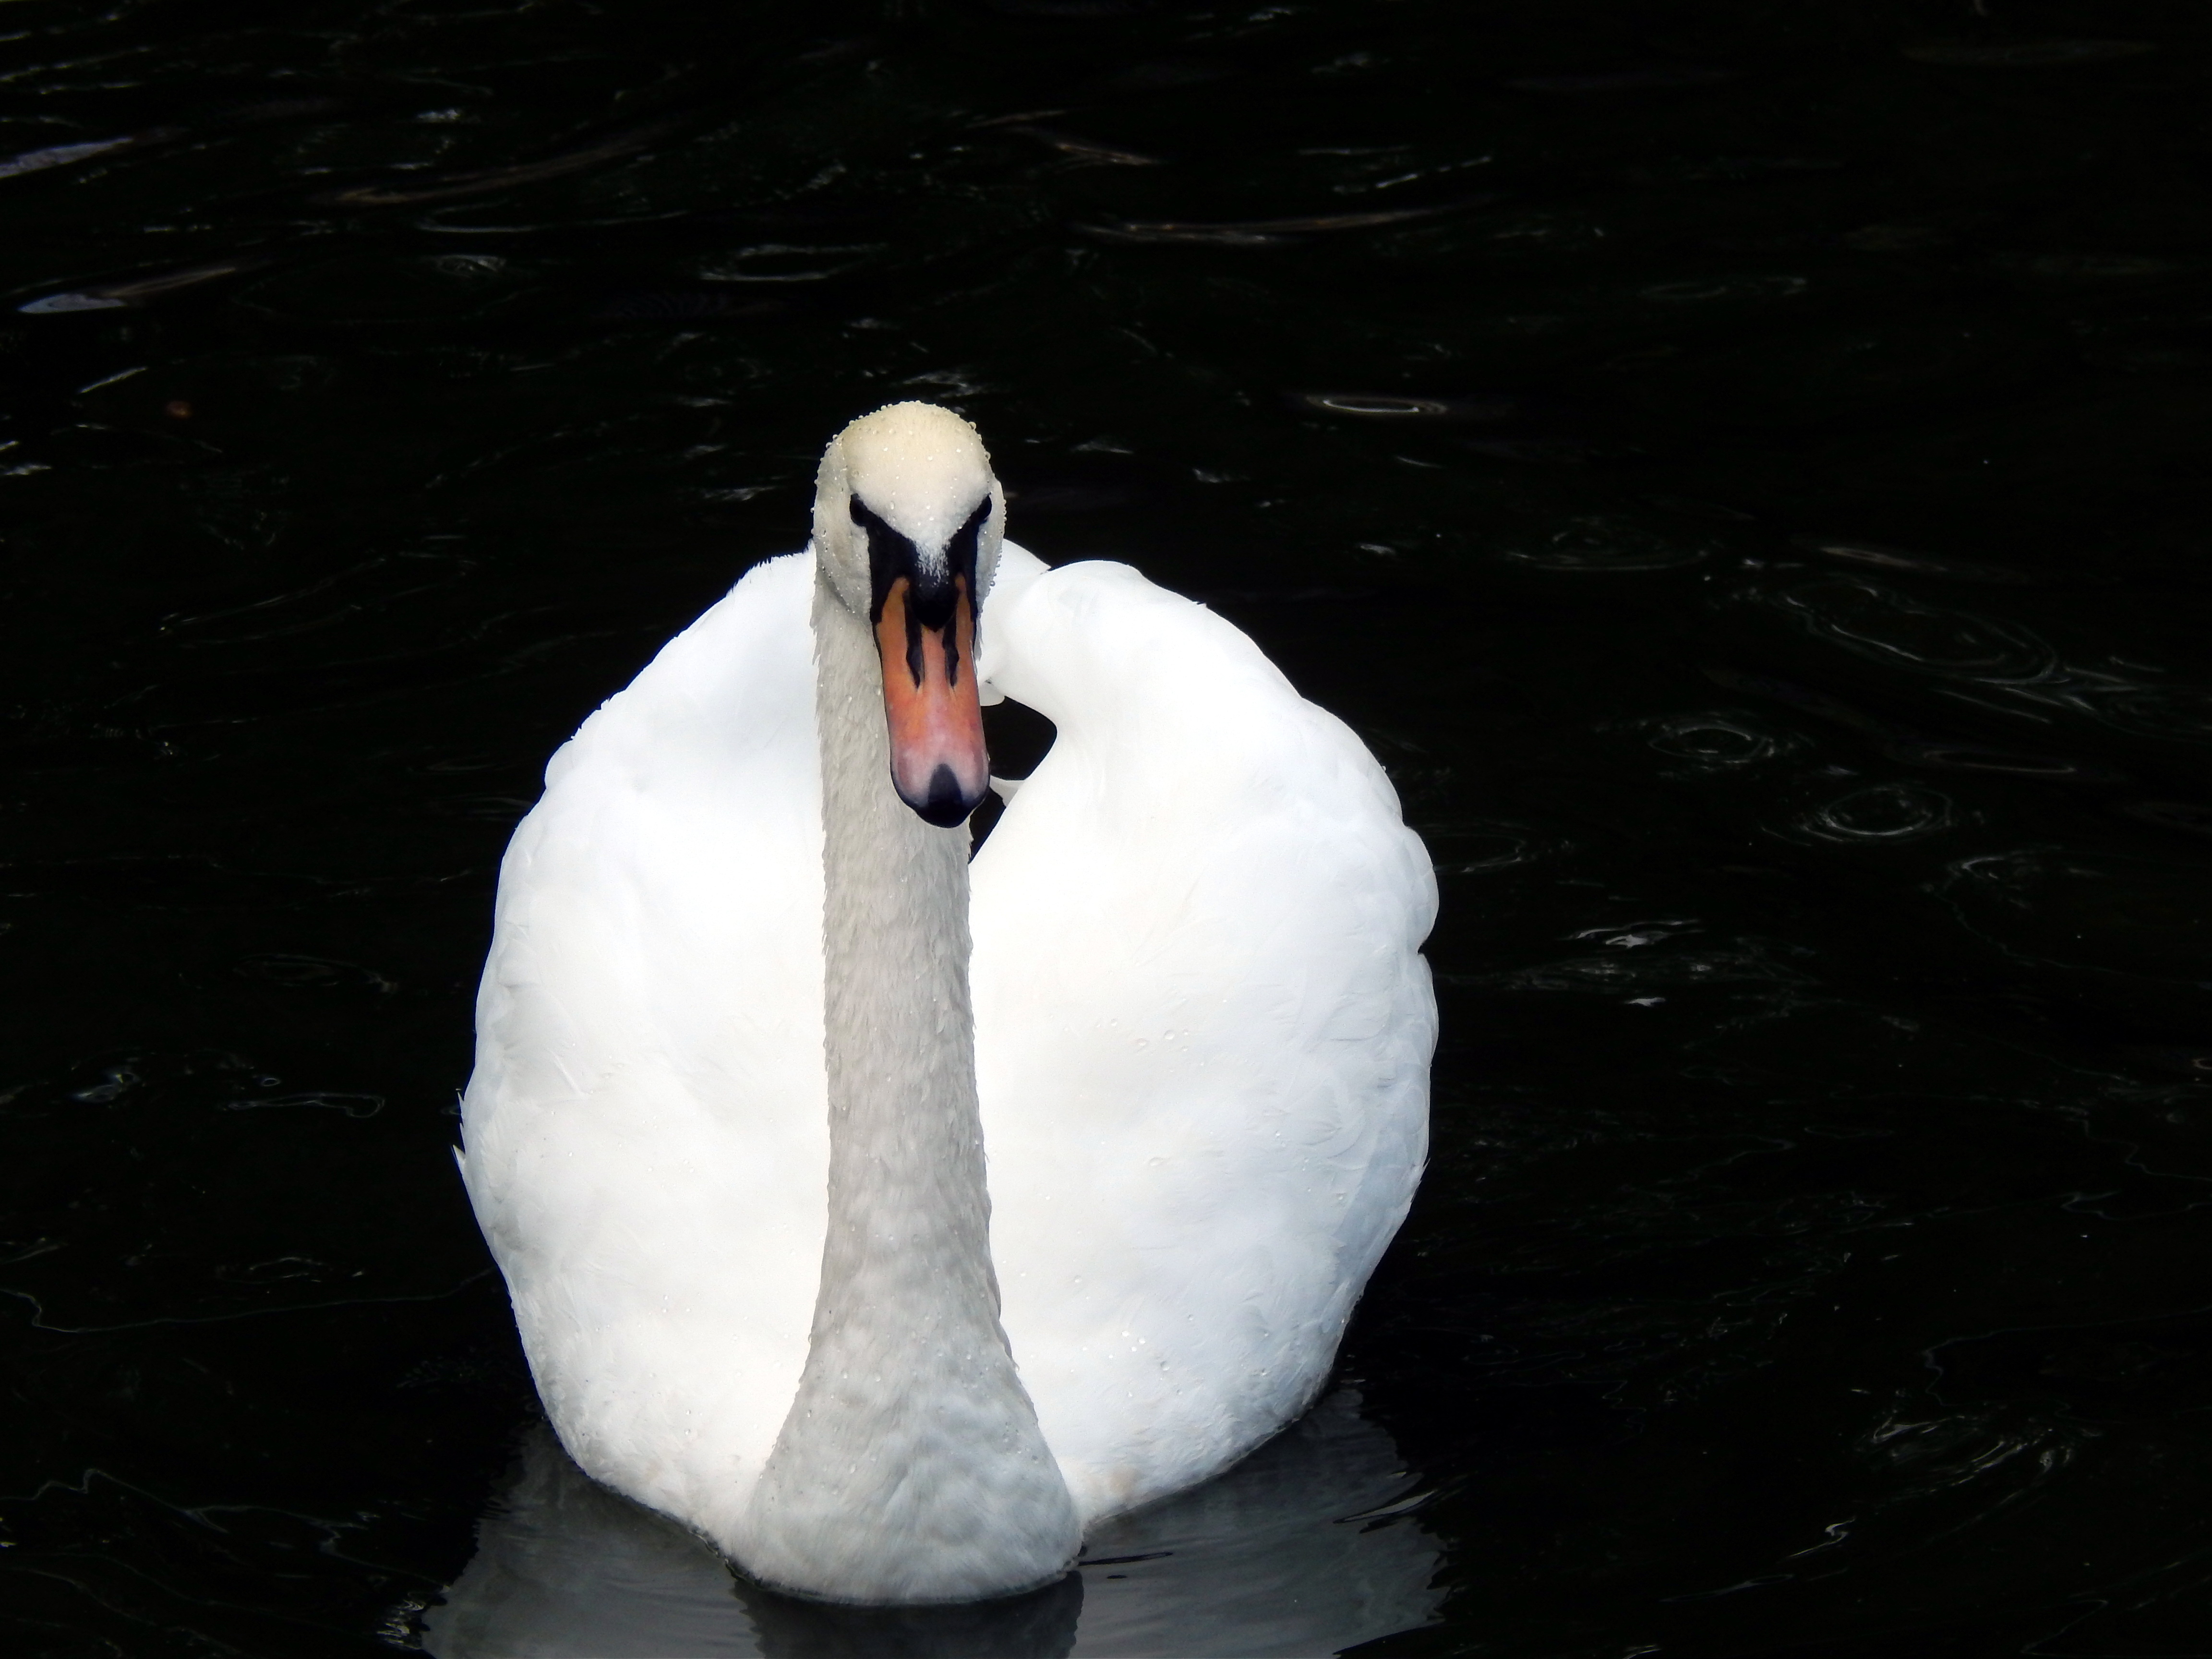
x=938, y=765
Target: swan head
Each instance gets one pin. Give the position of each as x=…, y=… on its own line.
x=907, y=522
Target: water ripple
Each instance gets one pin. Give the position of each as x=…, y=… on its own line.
x=1717, y=742
x=1257, y=232
x=1873, y=620
x=1885, y=812
x=1774, y=286
x=2128, y=703
x=329, y=1100
x=1917, y=564
x=1602, y=543
x=2144, y=918
x=2024, y=54
x=1479, y=848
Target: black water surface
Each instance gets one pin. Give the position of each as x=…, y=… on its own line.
x=1742, y=466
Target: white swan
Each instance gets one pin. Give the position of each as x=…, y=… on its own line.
x=727, y=1131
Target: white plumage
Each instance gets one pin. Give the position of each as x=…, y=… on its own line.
x=1202, y=1030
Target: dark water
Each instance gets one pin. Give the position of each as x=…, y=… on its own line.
x=1741, y=466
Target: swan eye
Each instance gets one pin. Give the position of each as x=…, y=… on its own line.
x=960, y=551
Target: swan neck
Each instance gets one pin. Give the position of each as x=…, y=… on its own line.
x=911, y=1467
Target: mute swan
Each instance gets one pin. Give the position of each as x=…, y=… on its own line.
x=739, y=1069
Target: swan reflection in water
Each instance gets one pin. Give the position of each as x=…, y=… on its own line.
x=1308, y=1547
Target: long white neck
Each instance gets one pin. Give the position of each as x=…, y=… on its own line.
x=911, y=1467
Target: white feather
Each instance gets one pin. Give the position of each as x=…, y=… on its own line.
x=1203, y=1030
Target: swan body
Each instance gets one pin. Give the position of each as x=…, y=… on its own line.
x=728, y=1136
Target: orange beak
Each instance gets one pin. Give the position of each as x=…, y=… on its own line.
x=938, y=764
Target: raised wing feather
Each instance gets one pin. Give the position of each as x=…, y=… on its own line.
x=1203, y=1030
x=647, y=1129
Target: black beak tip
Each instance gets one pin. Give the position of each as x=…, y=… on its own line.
x=946, y=805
